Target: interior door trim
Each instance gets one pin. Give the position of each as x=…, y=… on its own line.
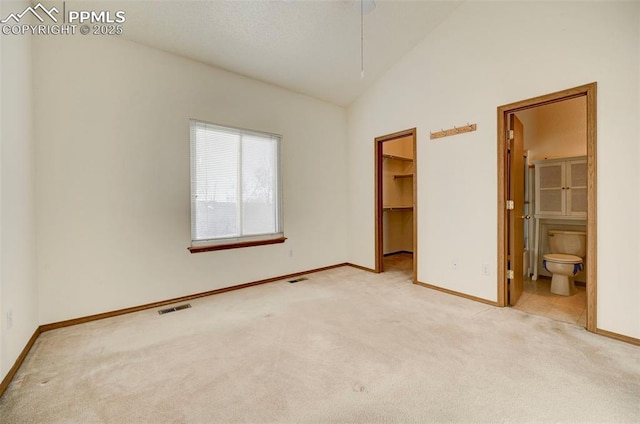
x=588, y=90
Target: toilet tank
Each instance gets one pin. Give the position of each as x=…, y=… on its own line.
x=568, y=242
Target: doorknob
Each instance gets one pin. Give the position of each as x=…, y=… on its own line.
x=525, y=216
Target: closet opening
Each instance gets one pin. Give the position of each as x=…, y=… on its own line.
x=395, y=205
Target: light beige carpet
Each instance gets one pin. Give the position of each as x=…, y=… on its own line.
x=345, y=346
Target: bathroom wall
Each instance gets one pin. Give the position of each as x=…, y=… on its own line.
x=488, y=54
x=556, y=130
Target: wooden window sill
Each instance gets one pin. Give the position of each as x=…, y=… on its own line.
x=237, y=245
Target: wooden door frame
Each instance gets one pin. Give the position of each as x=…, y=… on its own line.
x=379, y=251
x=588, y=90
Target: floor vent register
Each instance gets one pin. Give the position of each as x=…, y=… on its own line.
x=297, y=279
x=174, y=308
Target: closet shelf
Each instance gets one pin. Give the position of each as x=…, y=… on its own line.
x=397, y=158
x=396, y=176
x=397, y=208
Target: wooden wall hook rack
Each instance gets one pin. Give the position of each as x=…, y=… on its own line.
x=453, y=131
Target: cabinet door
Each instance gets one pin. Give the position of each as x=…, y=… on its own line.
x=550, y=183
x=576, y=187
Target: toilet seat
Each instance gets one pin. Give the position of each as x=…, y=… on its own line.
x=562, y=258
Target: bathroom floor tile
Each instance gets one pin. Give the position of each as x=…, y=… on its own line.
x=536, y=306
x=524, y=297
x=578, y=300
x=544, y=292
x=564, y=313
x=537, y=299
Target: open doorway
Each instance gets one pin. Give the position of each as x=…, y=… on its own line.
x=555, y=146
x=395, y=205
x=559, y=180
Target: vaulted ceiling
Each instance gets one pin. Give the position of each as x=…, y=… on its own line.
x=310, y=47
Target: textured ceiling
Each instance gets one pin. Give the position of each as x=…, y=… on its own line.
x=311, y=47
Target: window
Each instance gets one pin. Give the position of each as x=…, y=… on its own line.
x=235, y=188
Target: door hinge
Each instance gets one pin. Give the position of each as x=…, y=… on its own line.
x=511, y=205
x=510, y=135
x=510, y=275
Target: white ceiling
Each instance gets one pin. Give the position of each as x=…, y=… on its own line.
x=310, y=47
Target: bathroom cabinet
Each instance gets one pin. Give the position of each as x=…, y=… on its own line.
x=561, y=187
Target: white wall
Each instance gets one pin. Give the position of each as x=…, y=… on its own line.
x=112, y=129
x=18, y=289
x=485, y=55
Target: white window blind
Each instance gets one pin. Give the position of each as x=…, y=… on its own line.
x=235, y=185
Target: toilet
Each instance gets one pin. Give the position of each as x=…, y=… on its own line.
x=565, y=260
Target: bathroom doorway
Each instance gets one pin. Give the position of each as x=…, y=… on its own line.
x=515, y=247
x=395, y=203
